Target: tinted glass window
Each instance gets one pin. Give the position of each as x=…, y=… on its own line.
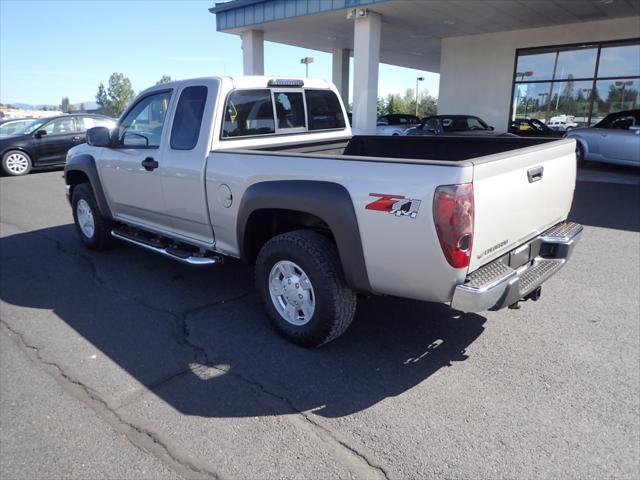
x=188, y=118
x=576, y=63
x=535, y=67
x=615, y=95
x=289, y=109
x=142, y=127
x=619, y=61
x=60, y=126
x=249, y=112
x=90, y=122
x=323, y=110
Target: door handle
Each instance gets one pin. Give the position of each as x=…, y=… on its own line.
x=535, y=173
x=76, y=138
x=149, y=164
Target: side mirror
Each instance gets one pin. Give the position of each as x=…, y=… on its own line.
x=99, y=137
x=40, y=133
x=492, y=128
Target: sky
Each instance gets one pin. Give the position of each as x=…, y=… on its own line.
x=50, y=49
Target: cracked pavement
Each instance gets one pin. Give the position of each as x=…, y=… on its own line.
x=122, y=364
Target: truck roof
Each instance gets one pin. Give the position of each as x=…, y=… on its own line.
x=250, y=81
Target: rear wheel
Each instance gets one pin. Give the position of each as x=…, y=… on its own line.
x=16, y=163
x=300, y=281
x=93, y=229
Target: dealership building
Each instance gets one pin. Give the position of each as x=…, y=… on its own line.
x=556, y=60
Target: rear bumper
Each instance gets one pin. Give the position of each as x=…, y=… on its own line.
x=519, y=273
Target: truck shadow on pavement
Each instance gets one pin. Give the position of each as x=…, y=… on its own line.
x=607, y=205
x=199, y=340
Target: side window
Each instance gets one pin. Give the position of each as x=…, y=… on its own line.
x=382, y=121
x=431, y=125
x=89, y=122
x=60, y=126
x=323, y=110
x=142, y=127
x=188, y=118
x=623, y=122
x=289, y=109
x=248, y=112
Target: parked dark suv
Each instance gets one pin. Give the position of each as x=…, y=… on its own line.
x=44, y=142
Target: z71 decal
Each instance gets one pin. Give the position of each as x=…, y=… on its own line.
x=397, y=205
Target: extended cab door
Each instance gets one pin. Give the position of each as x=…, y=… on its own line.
x=131, y=171
x=184, y=160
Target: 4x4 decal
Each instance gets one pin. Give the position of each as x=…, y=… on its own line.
x=397, y=205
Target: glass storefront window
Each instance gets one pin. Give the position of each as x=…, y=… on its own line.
x=576, y=64
x=614, y=96
x=622, y=61
x=577, y=86
x=535, y=67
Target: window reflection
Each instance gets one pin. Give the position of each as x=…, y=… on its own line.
x=563, y=89
x=576, y=64
x=614, y=96
x=535, y=67
x=619, y=61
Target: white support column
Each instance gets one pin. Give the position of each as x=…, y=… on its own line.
x=340, y=74
x=366, y=53
x=253, y=52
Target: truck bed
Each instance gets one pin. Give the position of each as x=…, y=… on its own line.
x=450, y=149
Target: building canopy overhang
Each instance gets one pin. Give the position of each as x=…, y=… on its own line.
x=412, y=30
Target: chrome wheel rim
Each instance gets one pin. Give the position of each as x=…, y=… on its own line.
x=85, y=218
x=292, y=293
x=17, y=163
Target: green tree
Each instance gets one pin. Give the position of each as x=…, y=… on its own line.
x=116, y=96
x=65, y=105
x=164, y=79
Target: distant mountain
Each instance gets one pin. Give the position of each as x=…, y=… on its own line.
x=89, y=105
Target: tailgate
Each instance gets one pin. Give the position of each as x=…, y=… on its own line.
x=519, y=194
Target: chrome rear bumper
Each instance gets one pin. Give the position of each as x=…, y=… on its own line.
x=519, y=273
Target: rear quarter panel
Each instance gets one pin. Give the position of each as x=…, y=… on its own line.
x=402, y=254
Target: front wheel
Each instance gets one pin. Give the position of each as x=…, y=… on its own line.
x=301, y=285
x=580, y=154
x=16, y=163
x=93, y=229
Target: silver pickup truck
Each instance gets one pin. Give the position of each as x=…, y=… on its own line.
x=267, y=170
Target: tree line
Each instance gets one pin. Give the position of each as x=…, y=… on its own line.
x=118, y=92
x=112, y=98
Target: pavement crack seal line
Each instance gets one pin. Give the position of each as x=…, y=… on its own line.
x=323, y=432
x=139, y=437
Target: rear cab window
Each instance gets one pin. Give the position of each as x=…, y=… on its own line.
x=256, y=112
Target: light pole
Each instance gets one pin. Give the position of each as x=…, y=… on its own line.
x=419, y=79
x=528, y=73
x=587, y=92
x=622, y=85
x=306, y=61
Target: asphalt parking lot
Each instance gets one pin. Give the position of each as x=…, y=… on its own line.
x=126, y=365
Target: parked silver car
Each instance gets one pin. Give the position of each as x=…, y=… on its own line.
x=615, y=139
x=396, y=123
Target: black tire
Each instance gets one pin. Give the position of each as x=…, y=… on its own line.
x=580, y=161
x=101, y=238
x=335, y=302
x=6, y=158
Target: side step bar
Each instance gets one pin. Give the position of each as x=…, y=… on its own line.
x=192, y=260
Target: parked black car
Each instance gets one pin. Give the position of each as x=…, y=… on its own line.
x=455, y=125
x=44, y=142
x=532, y=127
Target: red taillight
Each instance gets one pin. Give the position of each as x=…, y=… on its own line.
x=453, y=215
